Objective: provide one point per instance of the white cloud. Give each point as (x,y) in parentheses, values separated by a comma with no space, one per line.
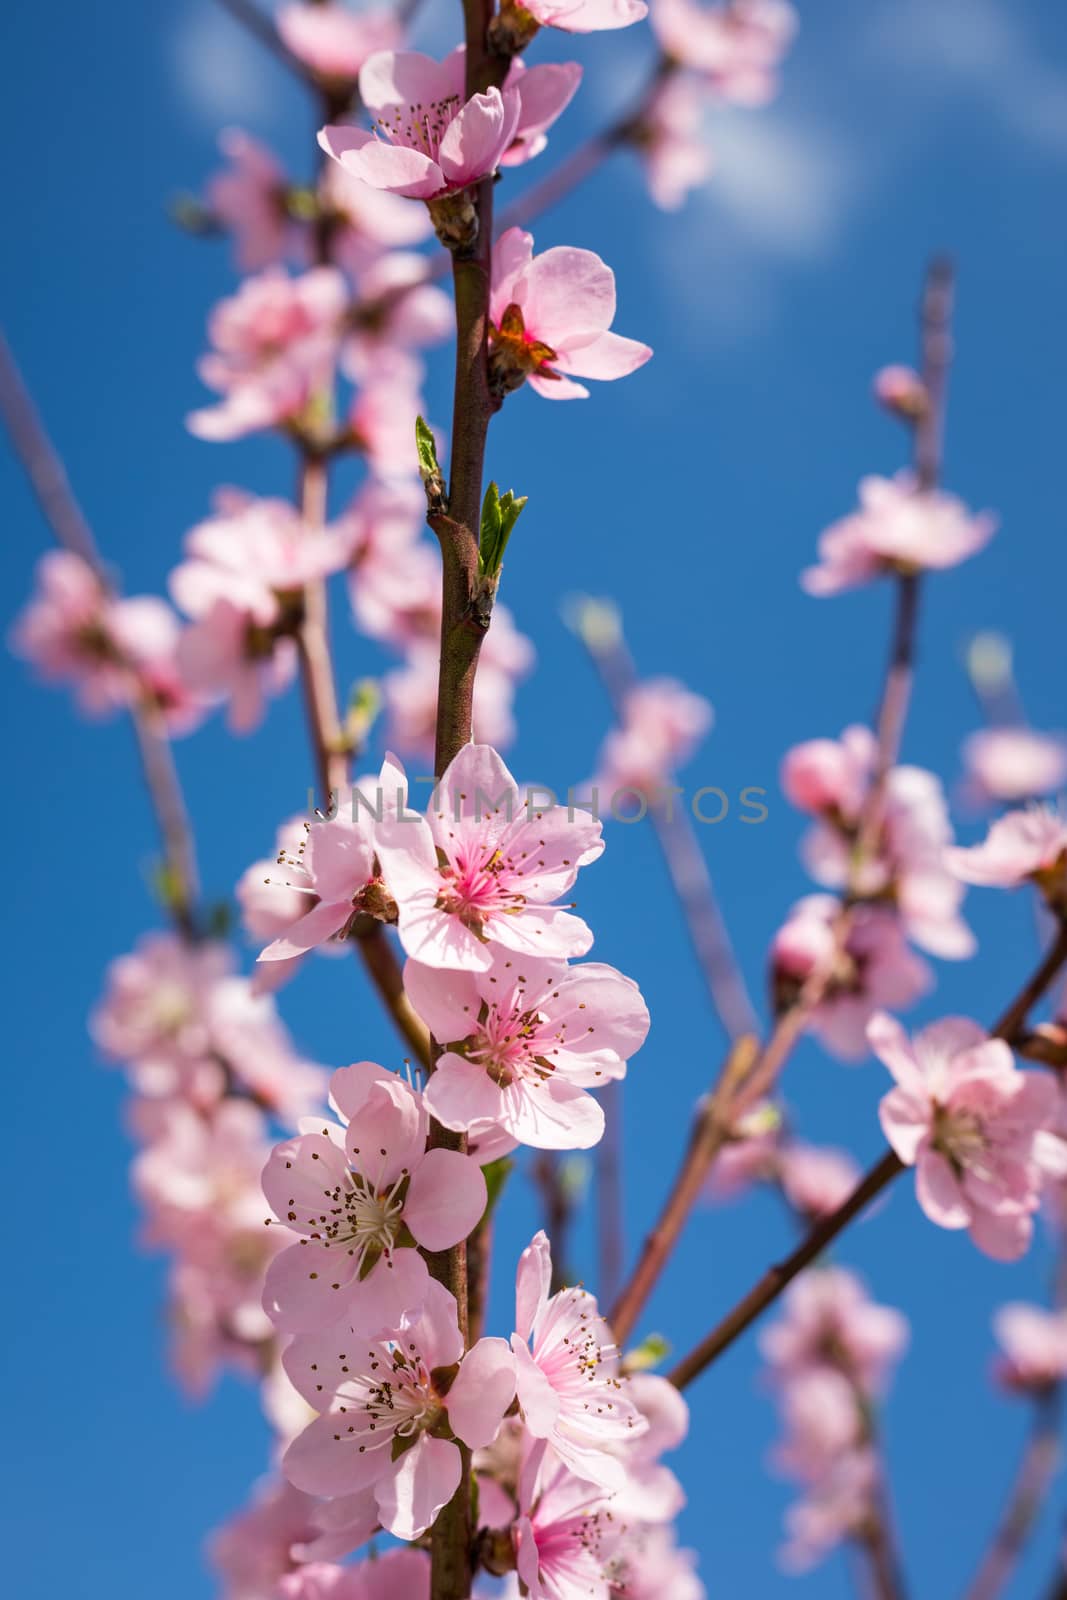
(983,48)
(780,182)
(221,74)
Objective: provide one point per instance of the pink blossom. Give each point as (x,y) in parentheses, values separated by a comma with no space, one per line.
(350,1190)
(485,868)
(249,200)
(650,1492)
(275,346)
(874,965)
(1034,1342)
(525,1042)
(1025,846)
(828,1319)
(267,905)
(334,41)
(198,1182)
(257,553)
(830,777)
(380,1407)
(660,726)
(428,142)
(902,391)
(738,46)
(580,16)
(907,864)
(1012,764)
(398,307)
(567,1373)
(564,1534)
(242,583)
(671,143)
(335,867)
(972,1125)
(153,1007)
(251,1551)
(649,1566)
(816,1179)
(822,1420)
(340,1525)
(898,528)
(74,630)
(551,315)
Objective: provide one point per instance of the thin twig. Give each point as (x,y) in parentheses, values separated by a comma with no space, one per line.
(735,1092)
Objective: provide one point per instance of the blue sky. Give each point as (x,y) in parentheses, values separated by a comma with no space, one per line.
(904,126)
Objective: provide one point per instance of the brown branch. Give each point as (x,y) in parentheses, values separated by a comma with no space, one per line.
(48,478)
(462,630)
(706,1138)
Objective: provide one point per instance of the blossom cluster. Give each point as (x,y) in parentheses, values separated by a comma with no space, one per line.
(212,1070)
(830,1356)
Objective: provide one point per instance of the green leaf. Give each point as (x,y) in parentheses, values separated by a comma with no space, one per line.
(649,1353)
(499,516)
(426,445)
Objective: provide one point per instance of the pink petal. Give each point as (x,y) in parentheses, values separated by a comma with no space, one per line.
(482,1392)
(318,925)
(538,1400)
(938,1191)
(552,1116)
(320,1462)
(609,355)
(461,1095)
(566,292)
(893,1048)
(395,1287)
(306,1287)
(422,1481)
(441,1001)
(407,78)
(445,1200)
(512,253)
(395,169)
(1005,1238)
(387,1137)
(475,140)
(299,1174)
(532,1282)
(350,1086)
(905,1122)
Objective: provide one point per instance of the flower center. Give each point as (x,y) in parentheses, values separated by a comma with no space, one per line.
(420,127)
(473,888)
(514,355)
